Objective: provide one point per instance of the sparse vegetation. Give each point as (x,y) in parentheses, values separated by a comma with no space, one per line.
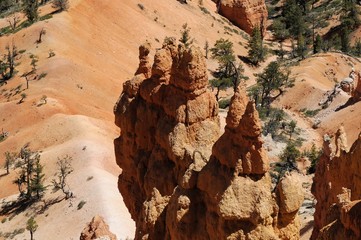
(30,174)
(310,113)
(41,34)
(313,155)
(185,36)
(64,170)
(61,5)
(23,96)
(224,103)
(204,10)
(42,75)
(7,65)
(271,84)
(34,61)
(51,53)
(9,160)
(89,178)
(228,73)
(13,21)
(31,10)
(256,50)
(31,226)
(81,204)
(141,6)
(44,99)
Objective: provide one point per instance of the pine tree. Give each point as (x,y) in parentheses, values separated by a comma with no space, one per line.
(301,47)
(61,5)
(185,36)
(37,181)
(228,74)
(31,10)
(357,48)
(9,159)
(257,52)
(28,163)
(272,82)
(317,44)
(31,226)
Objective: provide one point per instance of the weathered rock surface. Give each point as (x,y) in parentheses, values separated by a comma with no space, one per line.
(246,14)
(97,230)
(181,179)
(356,92)
(337,189)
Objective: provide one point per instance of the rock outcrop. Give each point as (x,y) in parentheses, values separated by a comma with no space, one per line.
(246,14)
(356,92)
(181,179)
(337,189)
(97,229)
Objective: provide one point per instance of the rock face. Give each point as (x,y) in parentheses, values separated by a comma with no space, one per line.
(181,179)
(337,189)
(246,14)
(98,230)
(356,93)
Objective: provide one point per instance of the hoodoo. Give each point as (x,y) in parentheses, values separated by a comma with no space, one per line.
(181,179)
(337,189)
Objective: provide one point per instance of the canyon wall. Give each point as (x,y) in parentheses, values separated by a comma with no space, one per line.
(181,179)
(337,189)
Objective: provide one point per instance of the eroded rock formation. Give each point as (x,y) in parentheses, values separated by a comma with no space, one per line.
(181,179)
(337,189)
(246,14)
(97,229)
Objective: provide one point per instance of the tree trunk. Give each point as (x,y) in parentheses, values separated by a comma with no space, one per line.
(217,94)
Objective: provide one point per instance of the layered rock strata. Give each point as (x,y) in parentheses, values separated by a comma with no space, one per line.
(181,179)
(337,189)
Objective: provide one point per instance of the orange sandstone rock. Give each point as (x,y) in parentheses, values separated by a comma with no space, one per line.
(97,229)
(181,179)
(246,14)
(337,189)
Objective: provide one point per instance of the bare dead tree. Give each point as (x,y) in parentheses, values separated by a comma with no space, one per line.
(13,20)
(41,34)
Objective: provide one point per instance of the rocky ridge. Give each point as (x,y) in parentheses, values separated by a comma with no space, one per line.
(181,179)
(337,189)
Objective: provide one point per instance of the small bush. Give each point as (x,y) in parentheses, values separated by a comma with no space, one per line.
(81,204)
(310,113)
(42,75)
(141,6)
(204,10)
(45,17)
(89,178)
(51,53)
(61,5)
(224,103)
(4,220)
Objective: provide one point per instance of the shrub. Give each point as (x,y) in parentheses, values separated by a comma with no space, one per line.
(61,5)
(224,103)
(42,75)
(141,6)
(81,204)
